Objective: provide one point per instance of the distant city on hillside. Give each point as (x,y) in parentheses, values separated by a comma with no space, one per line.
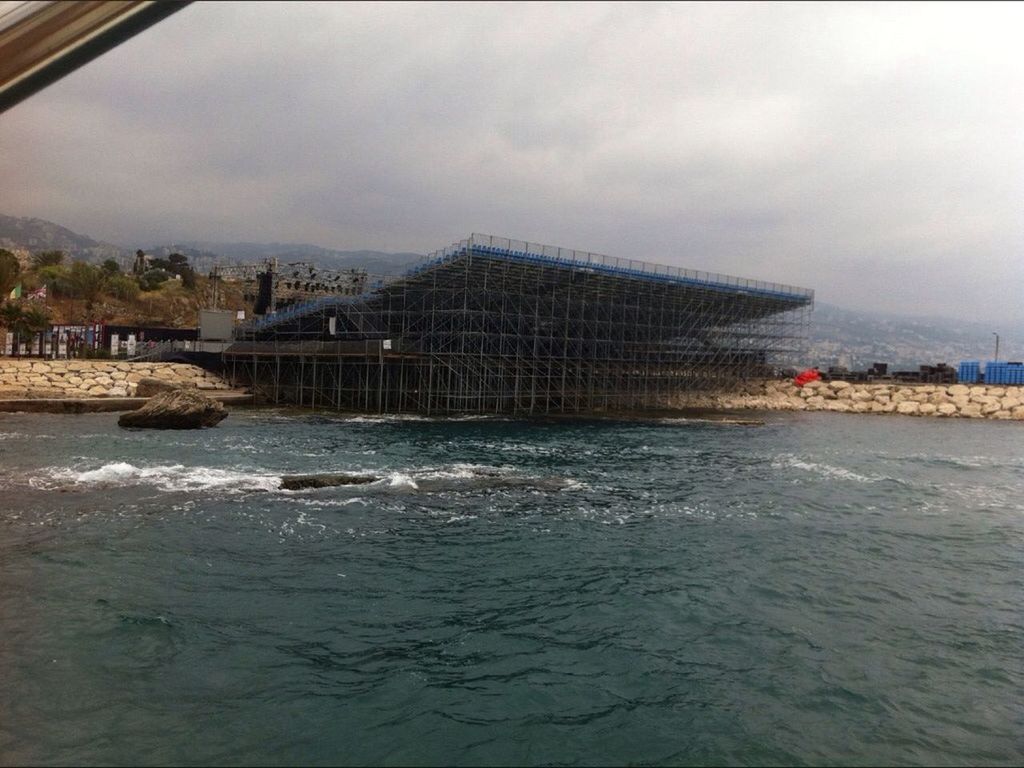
(839,336)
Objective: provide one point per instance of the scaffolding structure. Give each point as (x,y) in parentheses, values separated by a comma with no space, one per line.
(491,325)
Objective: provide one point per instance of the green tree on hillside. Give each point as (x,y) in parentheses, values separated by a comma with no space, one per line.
(9,271)
(56,279)
(152,279)
(23,320)
(36,318)
(122,287)
(47,259)
(86,282)
(110,267)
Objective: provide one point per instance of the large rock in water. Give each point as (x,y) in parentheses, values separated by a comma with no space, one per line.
(150,387)
(298,482)
(179,409)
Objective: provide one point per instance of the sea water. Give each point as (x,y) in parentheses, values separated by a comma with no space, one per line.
(820,589)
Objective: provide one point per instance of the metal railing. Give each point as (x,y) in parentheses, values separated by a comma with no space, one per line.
(632,267)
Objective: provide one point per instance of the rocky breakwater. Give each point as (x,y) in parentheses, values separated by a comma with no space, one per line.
(28,378)
(949,401)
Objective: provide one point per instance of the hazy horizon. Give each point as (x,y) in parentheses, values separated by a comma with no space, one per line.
(870,152)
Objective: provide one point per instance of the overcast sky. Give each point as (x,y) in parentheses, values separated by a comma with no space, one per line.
(872,152)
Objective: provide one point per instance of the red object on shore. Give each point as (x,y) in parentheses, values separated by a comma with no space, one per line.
(811,374)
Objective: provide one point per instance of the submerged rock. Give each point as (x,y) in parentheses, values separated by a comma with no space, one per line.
(178,409)
(298,482)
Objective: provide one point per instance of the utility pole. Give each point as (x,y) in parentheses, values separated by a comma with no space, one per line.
(996,358)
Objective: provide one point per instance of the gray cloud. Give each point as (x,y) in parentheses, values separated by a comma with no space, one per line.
(869,151)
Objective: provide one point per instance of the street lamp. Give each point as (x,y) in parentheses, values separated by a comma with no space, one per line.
(996,358)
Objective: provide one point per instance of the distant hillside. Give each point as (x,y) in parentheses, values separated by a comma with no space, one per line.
(24,234)
(858,339)
(205,254)
(33,235)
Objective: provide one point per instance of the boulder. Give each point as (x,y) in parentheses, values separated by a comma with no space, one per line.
(177,409)
(299,482)
(946,409)
(908,407)
(927,409)
(958,389)
(151,387)
(838,385)
(971,411)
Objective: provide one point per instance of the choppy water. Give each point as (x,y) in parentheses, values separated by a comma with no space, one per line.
(822,589)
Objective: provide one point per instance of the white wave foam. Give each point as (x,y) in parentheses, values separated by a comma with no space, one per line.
(575,485)
(398,480)
(15,435)
(823,470)
(393,418)
(168,477)
(386,419)
(178,477)
(323,503)
(462,472)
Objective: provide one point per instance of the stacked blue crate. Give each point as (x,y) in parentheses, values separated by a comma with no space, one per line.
(1004,373)
(969,372)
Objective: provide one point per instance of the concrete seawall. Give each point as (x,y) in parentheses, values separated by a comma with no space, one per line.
(937,400)
(64,379)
